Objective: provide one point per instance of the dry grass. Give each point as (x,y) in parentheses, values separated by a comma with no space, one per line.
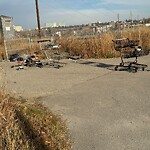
(20,46)
(102,46)
(90,47)
(30,127)
(140,33)
(1,48)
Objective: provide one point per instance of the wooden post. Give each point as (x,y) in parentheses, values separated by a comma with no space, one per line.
(38,18)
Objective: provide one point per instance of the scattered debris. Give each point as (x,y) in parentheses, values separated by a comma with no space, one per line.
(74,58)
(26,60)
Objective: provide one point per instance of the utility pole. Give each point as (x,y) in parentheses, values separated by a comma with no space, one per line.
(118,17)
(38,18)
(119,25)
(131,15)
(131,18)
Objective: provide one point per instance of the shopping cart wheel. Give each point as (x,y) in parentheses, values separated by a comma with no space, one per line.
(116,68)
(135,70)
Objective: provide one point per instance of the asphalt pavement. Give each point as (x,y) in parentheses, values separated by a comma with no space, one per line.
(104,109)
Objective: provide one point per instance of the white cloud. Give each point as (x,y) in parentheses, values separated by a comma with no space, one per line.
(129,2)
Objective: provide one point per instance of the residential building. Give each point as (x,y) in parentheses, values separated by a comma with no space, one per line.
(6,27)
(54,24)
(18,28)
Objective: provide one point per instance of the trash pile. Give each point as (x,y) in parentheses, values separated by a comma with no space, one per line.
(25,60)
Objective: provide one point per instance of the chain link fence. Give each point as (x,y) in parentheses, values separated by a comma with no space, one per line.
(17,46)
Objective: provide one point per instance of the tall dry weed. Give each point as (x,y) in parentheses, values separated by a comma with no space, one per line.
(90,47)
(101,46)
(141,33)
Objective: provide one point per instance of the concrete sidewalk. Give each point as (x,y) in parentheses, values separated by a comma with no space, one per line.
(104,109)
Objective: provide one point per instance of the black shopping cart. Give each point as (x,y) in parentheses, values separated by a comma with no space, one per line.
(128,48)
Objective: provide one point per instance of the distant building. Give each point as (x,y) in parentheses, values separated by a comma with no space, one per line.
(54,24)
(147,24)
(6,27)
(18,28)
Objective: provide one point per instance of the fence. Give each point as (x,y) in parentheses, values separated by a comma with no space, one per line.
(19,46)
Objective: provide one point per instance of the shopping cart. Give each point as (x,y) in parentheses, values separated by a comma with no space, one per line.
(128,48)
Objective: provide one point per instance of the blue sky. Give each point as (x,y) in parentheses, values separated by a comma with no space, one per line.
(73,12)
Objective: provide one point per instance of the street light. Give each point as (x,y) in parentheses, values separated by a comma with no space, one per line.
(38,18)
